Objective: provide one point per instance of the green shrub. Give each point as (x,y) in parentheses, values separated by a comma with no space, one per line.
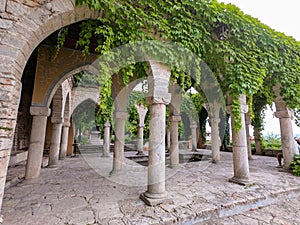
(84,140)
(295,165)
(271,141)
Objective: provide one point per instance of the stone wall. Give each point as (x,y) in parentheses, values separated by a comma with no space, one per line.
(23,26)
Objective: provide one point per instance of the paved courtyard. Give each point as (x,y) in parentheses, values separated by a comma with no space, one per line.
(80,191)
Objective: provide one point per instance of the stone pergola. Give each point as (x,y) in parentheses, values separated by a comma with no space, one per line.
(24,25)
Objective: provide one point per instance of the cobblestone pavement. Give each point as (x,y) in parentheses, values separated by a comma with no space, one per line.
(285,212)
(79,191)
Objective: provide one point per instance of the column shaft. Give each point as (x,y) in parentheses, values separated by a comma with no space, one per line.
(106,140)
(257,138)
(247,122)
(156,161)
(287,141)
(64,142)
(174,144)
(239,148)
(194,136)
(215,140)
(286,130)
(55,144)
(118,159)
(140,140)
(36,147)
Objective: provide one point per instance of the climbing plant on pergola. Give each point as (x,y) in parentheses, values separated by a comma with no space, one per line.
(244,54)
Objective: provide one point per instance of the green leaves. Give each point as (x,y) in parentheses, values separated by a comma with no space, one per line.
(249,56)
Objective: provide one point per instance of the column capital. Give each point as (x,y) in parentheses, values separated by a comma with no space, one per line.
(283,114)
(175,118)
(57,120)
(120,115)
(141,125)
(107,124)
(40,111)
(244,108)
(66,124)
(166,99)
(216,120)
(193,126)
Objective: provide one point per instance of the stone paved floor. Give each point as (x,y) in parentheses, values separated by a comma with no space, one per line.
(79,191)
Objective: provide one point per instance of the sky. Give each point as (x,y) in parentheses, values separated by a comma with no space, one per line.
(282,16)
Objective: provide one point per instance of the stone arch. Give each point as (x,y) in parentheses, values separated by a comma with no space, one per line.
(26,27)
(80,95)
(60,79)
(66,64)
(57,104)
(40,21)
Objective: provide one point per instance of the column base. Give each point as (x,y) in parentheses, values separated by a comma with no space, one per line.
(176,166)
(116,172)
(240,181)
(155,199)
(215,161)
(250,158)
(286,170)
(55,166)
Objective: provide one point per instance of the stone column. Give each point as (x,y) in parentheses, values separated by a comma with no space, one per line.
(168,137)
(70,140)
(64,140)
(247,123)
(214,120)
(193,126)
(239,147)
(174,118)
(118,159)
(215,139)
(140,140)
(142,111)
(174,145)
(286,130)
(106,139)
(156,190)
(55,141)
(37,140)
(257,138)
(158,97)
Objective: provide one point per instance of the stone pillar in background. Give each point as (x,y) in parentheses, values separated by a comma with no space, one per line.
(70,140)
(174,144)
(174,118)
(193,126)
(286,130)
(37,140)
(215,139)
(214,120)
(118,159)
(142,111)
(64,140)
(168,138)
(247,123)
(55,140)
(257,139)
(239,146)
(106,140)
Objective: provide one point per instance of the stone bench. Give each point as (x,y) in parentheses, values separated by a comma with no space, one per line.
(200,154)
(17,157)
(271,152)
